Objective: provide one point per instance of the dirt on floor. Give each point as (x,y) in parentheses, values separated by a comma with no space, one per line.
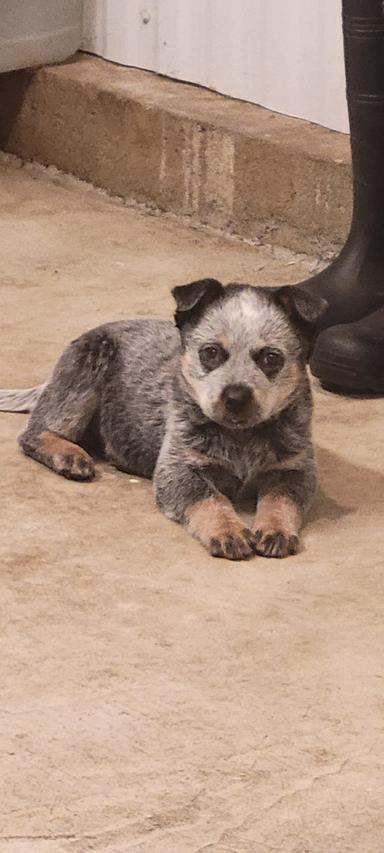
(155,699)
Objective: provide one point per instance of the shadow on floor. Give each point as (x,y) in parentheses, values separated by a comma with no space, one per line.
(344,486)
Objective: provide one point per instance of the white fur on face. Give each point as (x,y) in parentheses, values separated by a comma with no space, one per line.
(244,318)
(243,323)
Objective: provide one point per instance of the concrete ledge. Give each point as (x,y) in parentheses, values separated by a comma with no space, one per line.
(222,162)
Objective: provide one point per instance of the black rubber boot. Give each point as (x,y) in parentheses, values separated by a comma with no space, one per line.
(351,356)
(353,284)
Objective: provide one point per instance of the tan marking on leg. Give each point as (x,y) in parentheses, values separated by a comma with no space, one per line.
(50,443)
(277,525)
(212,517)
(65,457)
(216,525)
(278,513)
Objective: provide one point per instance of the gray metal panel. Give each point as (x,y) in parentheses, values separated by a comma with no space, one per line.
(284,54)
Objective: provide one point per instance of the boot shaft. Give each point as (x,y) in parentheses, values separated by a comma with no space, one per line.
(363,27)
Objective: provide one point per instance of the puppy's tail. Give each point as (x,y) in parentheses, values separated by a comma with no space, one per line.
(20,400)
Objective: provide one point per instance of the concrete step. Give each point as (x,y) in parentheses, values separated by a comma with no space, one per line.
(218,161)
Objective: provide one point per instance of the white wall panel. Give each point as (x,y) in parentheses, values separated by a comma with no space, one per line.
(284,54)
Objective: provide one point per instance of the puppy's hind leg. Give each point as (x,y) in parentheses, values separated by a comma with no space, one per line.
(67,405)
(64,457)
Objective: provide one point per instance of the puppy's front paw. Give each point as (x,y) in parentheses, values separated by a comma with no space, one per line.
(276,543)
(215,524)
(236,545)
(276,526)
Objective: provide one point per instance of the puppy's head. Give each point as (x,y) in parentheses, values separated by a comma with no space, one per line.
(244,349)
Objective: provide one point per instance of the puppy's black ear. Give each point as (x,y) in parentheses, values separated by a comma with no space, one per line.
(305,309)
(299,303)
(192,299)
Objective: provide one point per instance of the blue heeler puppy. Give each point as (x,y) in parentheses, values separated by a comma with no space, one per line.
(214,403)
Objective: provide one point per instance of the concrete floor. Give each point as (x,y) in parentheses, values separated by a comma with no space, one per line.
(155,699)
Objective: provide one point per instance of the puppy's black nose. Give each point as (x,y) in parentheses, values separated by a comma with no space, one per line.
(236,398)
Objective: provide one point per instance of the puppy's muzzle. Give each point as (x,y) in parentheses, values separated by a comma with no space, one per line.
(237,400)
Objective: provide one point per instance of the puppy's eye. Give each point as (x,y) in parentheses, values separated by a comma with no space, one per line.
(269,360)
(212,356)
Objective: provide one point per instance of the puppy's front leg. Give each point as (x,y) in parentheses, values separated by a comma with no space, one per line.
(284,498)
(186,495)
(214,522)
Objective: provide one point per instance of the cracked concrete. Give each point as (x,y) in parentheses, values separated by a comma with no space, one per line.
(154,699)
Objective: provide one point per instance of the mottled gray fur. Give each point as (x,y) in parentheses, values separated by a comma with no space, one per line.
(217,402)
